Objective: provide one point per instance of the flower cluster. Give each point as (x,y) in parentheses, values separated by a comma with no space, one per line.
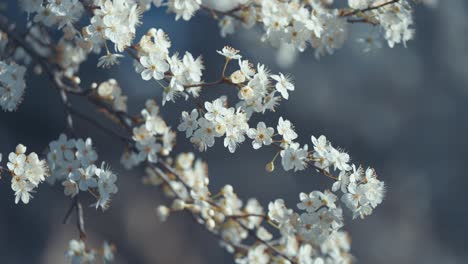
(256,94)
(309,23)
(218,121)
(312,234)
(110,91)
(319,218)
(152,139)
(396,21)
(362,190)
(27,172)
(155,63)
(362,193)
(77,253)
(183,8)
(61,13)
(71,161)
(293,22)
(113,20)
(12,85)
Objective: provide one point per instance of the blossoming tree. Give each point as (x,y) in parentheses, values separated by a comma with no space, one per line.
(61,35)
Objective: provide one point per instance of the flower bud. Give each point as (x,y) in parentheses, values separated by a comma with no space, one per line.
(246,93)
(20,149)
(270,166)
(178,205)
(162,212)
(210,223)
(237,77)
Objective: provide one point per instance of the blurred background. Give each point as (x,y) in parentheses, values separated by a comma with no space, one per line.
(401,110)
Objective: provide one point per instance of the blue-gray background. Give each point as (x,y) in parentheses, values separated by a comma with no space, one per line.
(402,111)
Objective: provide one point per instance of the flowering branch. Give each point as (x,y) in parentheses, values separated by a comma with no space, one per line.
(79,216)
(309,234)
(300,23)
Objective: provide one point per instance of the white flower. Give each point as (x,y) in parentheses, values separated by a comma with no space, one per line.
(359,4)
(305,254)
(363,197)
(256,255)
(246,68)
(264,234)
(278,212)
(310,202)
(396,21)
(153,122)
(320,145)
(340,159)
(27,172)
(148,150)
(214,110)
(233,137)
(283,85)
(286,129)
(70,188)
(107,252)
(172,91)
(155,67)
(261,135)
(63,147)
(162,212)
(141,134)
(35,169)
(204,136)
(12,85)
(230,53)
(253,207)
(77,253)
(189,122)
(308,227)
(342,182)
(227,25)
(85,152)
(184,8)
(155,41)
(237,77)
(85,177)
(246,93)
(294,157)
(109,60)
(22,189)
(375,191)
(16,162)
(46,16)
(193,68)
(106,186)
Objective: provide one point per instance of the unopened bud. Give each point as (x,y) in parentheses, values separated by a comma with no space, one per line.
(162,212)
(270,166)
(210,223)
(178,205)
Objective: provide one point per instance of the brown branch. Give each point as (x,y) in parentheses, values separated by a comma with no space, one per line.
(208,84)
(216,13)
(370,8)
(76,204)
(80,219)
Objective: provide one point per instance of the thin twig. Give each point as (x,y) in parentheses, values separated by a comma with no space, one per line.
(370,8)
(80,219)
